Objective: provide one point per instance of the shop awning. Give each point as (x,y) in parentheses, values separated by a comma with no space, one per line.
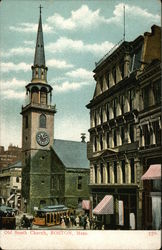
(86,204)
(106,206)
(153,173)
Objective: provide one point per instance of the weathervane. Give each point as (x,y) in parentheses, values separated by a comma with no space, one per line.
(40,9)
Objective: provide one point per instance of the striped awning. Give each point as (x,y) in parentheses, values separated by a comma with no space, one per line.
(153,173)
(106,206)
(86,204)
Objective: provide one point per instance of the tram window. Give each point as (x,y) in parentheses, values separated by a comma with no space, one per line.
(48,218)
(51,217)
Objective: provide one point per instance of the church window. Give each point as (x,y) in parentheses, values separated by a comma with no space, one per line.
(26,121)
(42,121)
(43,96)
(17,179)
(79,182)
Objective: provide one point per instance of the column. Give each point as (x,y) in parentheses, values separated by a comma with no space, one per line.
(105,179)
(92,178)
(39,96)
(104,83)
(111,172)
(111,79)
(128,133)
(118,74)
(98,174)
(119,173)
(128,171)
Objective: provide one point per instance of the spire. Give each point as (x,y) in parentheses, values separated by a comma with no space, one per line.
(39,59)
(39,69)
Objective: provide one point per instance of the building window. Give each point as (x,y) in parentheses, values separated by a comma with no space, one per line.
(95,143)
(108,172)
(58,184)
(101,83)
(79,182)
(107,111)
(115,138)
(107,81)
(114,74)
(26,122)
(101,115)
(145,95)
(95,118)
(17,179)
(114,106)
(157,91)
(123,170)
(95,168)
(121,100)
(132,170)
(121,66)
(130,100)
(101,172)
(157,132)
(115,171)
(107,139)
(122,135)
(146,135)
(101,142)
(42,121)
(131,132)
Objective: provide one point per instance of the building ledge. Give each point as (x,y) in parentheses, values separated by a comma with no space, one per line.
(50,108)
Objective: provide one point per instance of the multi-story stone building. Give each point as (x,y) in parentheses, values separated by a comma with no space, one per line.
(9,156)
(10,184)
(116,121)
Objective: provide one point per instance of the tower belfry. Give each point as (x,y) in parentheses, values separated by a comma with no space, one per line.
(37,130)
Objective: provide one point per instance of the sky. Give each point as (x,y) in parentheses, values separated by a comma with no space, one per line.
(77,33)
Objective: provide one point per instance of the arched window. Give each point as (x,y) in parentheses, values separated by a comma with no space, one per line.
(43,96)
(42,121)
(35,95)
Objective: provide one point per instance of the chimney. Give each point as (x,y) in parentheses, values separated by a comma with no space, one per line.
(83,137)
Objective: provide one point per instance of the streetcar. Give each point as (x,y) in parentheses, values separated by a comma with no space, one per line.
(7,218)
(51,215)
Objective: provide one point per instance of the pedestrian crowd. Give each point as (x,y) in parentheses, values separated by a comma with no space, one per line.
(79,221)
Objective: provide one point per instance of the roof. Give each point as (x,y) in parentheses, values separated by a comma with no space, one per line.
(73,154)
(17,164)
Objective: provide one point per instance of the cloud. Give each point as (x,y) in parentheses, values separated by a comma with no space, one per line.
(66,44)
(58,64)
(10,66)
(18,51)
(12,94)
(32,43)
(68,86)
(81,74)
(31,28)
(13,83)
(84,17)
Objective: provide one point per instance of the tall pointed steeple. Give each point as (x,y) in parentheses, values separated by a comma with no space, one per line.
(39,69)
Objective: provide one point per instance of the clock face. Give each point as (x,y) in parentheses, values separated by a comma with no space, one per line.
(42,138)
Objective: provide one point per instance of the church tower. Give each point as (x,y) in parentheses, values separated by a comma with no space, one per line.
(37,132)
